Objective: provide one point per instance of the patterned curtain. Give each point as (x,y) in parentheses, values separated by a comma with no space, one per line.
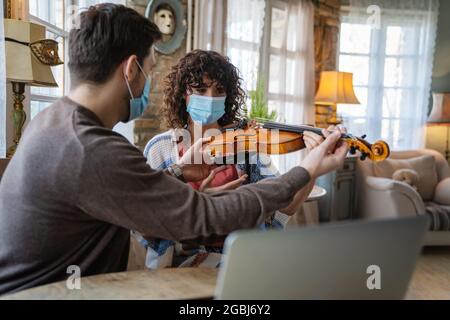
(2,89)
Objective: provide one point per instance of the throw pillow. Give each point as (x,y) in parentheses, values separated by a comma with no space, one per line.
(425,166)
(442,193)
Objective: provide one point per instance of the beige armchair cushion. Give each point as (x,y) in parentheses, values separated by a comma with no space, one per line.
(425,166)
(442,192)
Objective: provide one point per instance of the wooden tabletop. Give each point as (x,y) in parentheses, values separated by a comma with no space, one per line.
(182,283)
(431,280)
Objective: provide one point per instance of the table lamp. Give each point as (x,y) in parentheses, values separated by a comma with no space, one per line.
(335,87)
(29,57)
(440,115)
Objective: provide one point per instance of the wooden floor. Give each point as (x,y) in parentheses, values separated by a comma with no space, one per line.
(431,279)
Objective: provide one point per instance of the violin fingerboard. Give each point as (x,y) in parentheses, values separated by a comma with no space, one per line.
(295,129)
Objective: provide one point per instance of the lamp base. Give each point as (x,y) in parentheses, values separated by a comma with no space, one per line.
(326,115)
(19,116)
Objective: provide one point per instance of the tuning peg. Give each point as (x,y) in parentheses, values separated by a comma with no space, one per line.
(363,156)
(363,136)
(352,150)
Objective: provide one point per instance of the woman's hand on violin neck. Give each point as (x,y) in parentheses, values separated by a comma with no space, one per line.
(313,140)
(326,157)
(332,128)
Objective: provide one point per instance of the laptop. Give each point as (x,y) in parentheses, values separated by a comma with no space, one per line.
(352,260)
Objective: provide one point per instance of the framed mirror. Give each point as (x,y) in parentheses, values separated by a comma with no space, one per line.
(169,16)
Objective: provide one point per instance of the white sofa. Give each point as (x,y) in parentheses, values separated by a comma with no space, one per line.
(382,197)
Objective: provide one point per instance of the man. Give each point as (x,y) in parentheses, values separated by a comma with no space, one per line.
(75,188)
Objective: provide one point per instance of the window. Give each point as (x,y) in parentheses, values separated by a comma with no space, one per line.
(270,41)
(275,35)
(244,34)
(50,13)
(391,68)
(54,15)
(283,55)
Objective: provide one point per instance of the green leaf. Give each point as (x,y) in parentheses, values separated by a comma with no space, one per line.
(259,109)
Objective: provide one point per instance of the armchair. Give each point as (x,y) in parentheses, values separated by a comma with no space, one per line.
(382,197)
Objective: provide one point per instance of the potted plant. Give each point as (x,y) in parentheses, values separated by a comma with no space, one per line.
(259,109)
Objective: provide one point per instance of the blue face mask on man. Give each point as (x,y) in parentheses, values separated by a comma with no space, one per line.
(139,104)
(206,110)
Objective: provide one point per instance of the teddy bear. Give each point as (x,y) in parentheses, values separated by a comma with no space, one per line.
(407,176)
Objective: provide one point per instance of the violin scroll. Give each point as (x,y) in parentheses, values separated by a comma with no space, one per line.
(377,151)
(380,150)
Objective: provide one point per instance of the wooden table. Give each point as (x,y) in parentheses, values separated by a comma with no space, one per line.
(431,280)
(182,283)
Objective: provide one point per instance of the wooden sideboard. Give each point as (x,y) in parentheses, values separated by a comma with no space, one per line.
(339,202)
(3,163)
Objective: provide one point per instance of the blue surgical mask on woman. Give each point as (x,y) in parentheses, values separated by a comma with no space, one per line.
(139,104)
(206,110)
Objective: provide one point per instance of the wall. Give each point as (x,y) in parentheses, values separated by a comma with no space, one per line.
(151,122)
(441,68)
(436,136)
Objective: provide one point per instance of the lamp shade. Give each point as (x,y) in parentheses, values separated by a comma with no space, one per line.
(21,64)
(336,87)
(440,114)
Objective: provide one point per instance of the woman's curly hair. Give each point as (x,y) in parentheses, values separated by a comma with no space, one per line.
(188,74)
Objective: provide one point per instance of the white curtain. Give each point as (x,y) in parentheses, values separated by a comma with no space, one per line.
(389,46)
(293,88)
(244,31)
(291,84)
(2,88)
(210,24)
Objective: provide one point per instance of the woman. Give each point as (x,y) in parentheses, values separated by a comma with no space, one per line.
(203,93)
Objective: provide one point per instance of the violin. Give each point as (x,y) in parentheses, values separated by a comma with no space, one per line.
(276,138)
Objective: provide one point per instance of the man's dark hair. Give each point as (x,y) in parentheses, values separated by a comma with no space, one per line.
(107,35)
